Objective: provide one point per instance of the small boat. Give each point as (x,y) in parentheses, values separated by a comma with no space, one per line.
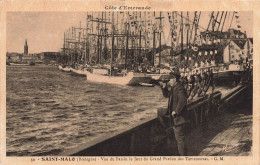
(147,84)
(32,63)
(65,69)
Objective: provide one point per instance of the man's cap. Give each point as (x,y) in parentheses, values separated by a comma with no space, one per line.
(175,72)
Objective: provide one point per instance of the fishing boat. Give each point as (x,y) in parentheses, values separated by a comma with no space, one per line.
(78,72)
(134,40)
(103,76)
(199,61)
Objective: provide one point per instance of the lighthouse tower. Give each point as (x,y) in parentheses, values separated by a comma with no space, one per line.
(26,48)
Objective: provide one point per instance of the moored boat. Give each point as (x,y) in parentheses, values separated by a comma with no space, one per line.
(129,78)
(64,68)
(78,72)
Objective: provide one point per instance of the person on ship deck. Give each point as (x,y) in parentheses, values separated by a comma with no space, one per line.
(177,102)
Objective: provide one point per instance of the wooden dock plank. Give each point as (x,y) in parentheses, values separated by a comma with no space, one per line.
(231,141)
(229,130)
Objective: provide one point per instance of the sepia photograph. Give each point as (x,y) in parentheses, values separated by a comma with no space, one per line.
(123,82)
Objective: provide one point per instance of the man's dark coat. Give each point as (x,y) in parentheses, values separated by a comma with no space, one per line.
(177,102)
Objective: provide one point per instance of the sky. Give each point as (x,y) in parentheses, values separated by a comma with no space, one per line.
(44,31)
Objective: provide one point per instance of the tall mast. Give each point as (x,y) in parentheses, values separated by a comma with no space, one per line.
(194,22)
(75,44)
(79,44)
(112,45)
(220,19)
(64,44)
(154,46)
(98,44)
(181,32)
(105,37)
(196,26)
(127,33)
(224,22)
(101,38)
(145,30)
(117,38)
(214,22)
(140,40)
(187,40)
(160,39)
(86,42)
(172,34)
(69,60)
(73,49)
(212,15)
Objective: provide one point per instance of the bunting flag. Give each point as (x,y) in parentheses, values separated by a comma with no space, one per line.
(198,41)
(237,20)
(203,40)
(196,64)
(169,17)
(201,64)
(251,51)
(174,26)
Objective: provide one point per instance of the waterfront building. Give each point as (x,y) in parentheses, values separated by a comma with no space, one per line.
(237,49)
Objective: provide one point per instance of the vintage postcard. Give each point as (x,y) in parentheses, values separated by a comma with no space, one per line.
(129,82)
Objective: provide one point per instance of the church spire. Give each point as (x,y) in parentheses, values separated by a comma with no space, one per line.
(25,48)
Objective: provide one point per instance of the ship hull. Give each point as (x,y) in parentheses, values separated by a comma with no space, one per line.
(65,69)
(78,72)
(227,77)
(129,79)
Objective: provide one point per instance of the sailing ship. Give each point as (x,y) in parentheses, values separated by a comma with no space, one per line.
(110,49)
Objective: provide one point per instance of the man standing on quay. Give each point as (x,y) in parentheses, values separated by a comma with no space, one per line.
(177,102)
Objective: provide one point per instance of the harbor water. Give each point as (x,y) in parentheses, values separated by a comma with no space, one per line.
(49,111)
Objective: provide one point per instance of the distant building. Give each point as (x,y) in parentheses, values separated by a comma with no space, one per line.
(49,56)
(34,57)
(13,57)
